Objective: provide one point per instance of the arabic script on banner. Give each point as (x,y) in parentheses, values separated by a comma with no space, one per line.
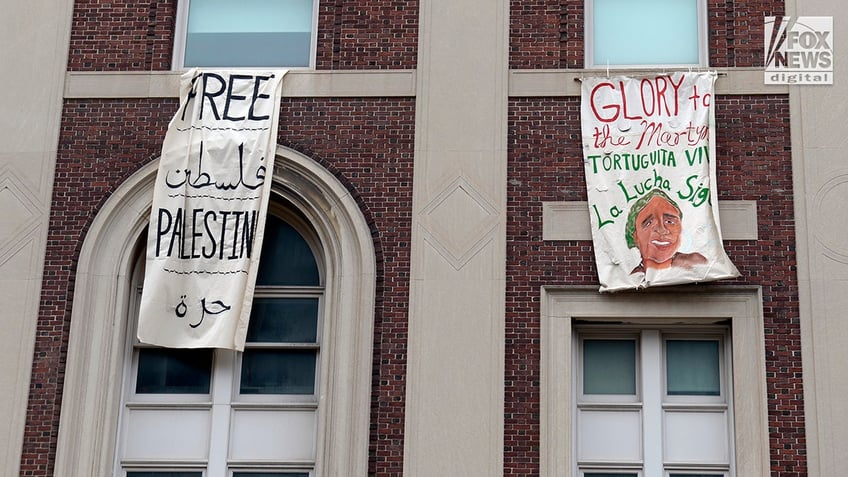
(209,204)
(649,156)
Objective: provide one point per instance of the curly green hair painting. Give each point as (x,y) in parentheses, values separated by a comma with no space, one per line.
(630,228)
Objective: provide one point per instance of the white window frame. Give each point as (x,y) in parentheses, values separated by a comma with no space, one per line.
(606,398)
(563,307)
(94,372)
(589,35)
(651,398)
(181,30)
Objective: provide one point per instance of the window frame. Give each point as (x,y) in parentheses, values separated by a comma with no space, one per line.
(726,361)
(181,32)
(99,322)
(651,396)
(579,375)
(277,291)
(225,369)
(589,47)
(564,306)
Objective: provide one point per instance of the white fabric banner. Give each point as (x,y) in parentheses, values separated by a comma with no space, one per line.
(209,206)
(649,156)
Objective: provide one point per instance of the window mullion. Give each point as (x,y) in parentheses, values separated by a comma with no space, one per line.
(652,392)
(222,390)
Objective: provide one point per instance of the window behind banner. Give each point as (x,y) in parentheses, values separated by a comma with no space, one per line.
(245,34)
(645,33)
(204,412)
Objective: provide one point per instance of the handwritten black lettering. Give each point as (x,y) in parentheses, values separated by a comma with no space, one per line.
(199,233)
(225,98)
(216,308)
(182,178)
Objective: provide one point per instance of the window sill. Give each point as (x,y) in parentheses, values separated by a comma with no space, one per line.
(298,83)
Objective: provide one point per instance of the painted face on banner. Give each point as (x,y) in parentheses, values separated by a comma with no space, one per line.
(657,233)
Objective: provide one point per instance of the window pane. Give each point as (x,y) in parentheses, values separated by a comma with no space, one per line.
(173,371)
(270,474)
(695,475)
(249,33)
(274,371)
(609,474)
(283,320)
(692,368)
(286,260)
(645,32)
(609,367)
(153,473)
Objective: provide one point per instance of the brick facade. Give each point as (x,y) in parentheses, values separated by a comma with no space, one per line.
(550,33)
(139,36)
(368,144)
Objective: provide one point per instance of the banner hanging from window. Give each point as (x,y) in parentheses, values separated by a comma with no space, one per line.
(209,205)
(649,156)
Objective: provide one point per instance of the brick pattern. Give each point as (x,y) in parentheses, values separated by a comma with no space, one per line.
(736,31)
(367,144)
(139,36)
(551,33)
(367,34)
(754,163)
(121,35)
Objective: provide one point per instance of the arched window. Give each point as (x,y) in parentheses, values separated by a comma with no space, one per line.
(219,412)
(295,403)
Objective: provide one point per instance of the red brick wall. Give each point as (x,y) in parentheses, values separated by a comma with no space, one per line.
(550,33)
(122,35)
(754,163)
(366,143)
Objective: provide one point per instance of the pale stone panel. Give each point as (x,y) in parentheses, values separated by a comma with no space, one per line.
(16,294)
(731,81)
(820,180)
(454,407)
(34,35)
(297,83)
(570,220)
(454,415)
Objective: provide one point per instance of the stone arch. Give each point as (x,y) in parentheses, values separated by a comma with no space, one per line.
(94,369)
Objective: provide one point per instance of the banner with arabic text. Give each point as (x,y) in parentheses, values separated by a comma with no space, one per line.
(649,157)
(209,204)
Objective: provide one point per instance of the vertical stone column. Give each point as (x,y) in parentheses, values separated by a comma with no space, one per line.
(820,180)
(454,413)
(35,37)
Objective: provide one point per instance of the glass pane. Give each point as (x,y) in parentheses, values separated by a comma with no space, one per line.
(173,371)
(695,475)
(270,474)
(609,474)
(645,32)
(283,320)
(276,371)
(609,367)
(286,258)
(154,473)
(249,33)
(692,368)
